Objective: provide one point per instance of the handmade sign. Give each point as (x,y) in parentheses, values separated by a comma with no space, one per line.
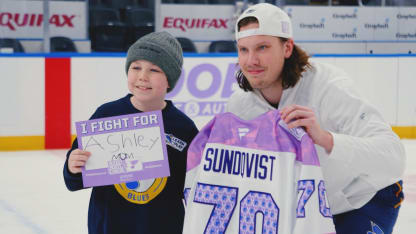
(123,148)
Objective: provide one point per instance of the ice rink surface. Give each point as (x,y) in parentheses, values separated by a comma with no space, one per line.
(34,199)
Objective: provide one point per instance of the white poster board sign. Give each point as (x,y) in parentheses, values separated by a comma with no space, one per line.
(123,148)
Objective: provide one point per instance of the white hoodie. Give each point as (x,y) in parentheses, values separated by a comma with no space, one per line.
(367,155)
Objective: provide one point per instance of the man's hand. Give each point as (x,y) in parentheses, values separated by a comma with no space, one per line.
(301,116)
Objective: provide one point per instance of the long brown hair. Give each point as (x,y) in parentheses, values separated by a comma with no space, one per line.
(293,66)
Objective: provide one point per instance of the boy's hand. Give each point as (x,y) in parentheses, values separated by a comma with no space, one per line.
(77,159)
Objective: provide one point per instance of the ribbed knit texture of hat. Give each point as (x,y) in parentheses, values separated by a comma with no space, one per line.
(163,50)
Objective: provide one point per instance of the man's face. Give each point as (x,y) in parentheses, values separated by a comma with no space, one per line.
(261,58)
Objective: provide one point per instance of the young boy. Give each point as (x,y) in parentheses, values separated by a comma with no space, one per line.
(153,67)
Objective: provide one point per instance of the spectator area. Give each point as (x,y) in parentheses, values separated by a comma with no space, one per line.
(114,25)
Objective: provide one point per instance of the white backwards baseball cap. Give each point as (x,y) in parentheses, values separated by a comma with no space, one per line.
(273,21)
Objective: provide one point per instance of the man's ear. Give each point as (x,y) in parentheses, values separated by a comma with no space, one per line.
(288,47)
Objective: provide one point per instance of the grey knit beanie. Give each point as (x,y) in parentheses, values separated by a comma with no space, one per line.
(163,50)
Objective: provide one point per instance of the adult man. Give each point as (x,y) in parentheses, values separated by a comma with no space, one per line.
(362,158)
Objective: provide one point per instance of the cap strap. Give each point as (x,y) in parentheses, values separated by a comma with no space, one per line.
(249,32)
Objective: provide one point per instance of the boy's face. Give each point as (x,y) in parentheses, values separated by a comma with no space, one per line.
(147,82)
(261,58)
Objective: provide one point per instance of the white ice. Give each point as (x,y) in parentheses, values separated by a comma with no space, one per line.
(34,199)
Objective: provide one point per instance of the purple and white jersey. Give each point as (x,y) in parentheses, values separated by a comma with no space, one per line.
(254,176)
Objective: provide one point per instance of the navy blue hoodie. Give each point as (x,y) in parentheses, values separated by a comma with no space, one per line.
(125,209)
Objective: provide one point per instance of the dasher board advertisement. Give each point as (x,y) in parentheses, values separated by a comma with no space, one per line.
(197,22)
(24,19)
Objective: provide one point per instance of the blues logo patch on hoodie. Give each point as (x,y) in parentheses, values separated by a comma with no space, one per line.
(175,142)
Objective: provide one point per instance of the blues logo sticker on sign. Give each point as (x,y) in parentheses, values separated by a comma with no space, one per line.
(123,148)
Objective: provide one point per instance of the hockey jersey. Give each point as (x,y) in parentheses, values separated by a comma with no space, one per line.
(254,176)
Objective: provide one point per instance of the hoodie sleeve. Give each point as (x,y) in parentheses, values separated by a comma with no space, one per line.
(369,152)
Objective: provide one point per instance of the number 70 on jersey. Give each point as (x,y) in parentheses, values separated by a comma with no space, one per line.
(224,200)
